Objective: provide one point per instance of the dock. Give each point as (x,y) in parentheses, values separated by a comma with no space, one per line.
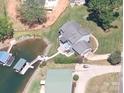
(29,65)
(39,58)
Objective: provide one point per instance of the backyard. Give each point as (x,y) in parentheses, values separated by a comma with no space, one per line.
(108,41)
(108,83)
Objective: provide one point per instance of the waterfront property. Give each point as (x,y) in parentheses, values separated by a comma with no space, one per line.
(58,81)
(6,59)
(19,65)
(74,39)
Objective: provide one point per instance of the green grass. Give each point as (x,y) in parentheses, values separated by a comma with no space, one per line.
(107,83)
(108,42)
(61,59)
(2,6)
(35,87)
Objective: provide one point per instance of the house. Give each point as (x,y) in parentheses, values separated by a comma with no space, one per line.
(74,39)
(50,4)
(77,2)
(19,65)
(6,58)
(58,81)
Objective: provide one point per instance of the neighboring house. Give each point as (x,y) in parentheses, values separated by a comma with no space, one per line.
(74,39)
(59,81)
(77,2)
(50,4)
(6,58)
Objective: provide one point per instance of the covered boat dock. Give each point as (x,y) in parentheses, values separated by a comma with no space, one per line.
(20,65)
(6,58)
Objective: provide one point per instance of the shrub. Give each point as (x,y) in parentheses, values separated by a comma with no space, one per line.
(43,64)
(6,30)
(75,77)
(114,58)
(61,59)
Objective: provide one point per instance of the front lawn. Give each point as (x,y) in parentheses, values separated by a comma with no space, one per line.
(108,42)
(108,83)
(62,59)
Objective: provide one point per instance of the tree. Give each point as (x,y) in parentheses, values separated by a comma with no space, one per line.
(75,77)
(114,58)
(103,12)
(32,12)
(6,30)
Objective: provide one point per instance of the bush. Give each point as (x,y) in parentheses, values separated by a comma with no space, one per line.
(114,58)
(6,30)
(75,77)
(61,59)
(43,64)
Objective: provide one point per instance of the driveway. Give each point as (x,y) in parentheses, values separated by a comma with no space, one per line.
(85,74)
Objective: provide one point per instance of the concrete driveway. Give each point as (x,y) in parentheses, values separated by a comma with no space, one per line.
(85,74)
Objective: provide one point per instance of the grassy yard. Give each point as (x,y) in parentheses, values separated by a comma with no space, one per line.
(2,7)
(107,83)
(35,87)
(108,42)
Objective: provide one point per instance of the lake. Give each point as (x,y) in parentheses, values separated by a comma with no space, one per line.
(11,82)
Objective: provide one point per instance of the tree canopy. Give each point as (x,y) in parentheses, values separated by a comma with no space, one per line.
(6,30)
(114,58)
(75,77)
(103,12)
(32,12)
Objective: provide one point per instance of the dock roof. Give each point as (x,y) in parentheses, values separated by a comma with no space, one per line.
(4,56)
(19,64)
(58,81)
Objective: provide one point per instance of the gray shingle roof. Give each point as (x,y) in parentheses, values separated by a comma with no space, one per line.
(73,32)
(81,46)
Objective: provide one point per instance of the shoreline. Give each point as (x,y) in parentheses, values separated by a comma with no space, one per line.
(37,70)
(29,82)
(6,43)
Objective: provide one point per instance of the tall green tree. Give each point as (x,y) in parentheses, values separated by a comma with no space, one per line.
(32,12)
(6,30)
(103,12)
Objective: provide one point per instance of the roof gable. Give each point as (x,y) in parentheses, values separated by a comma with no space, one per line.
(81,46)
(72,31)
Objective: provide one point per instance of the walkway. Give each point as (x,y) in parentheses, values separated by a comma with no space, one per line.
(38,58)
(12,43)
(95,57)
(85,74)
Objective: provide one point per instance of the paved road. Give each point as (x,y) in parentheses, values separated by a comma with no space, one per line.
(85,74)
